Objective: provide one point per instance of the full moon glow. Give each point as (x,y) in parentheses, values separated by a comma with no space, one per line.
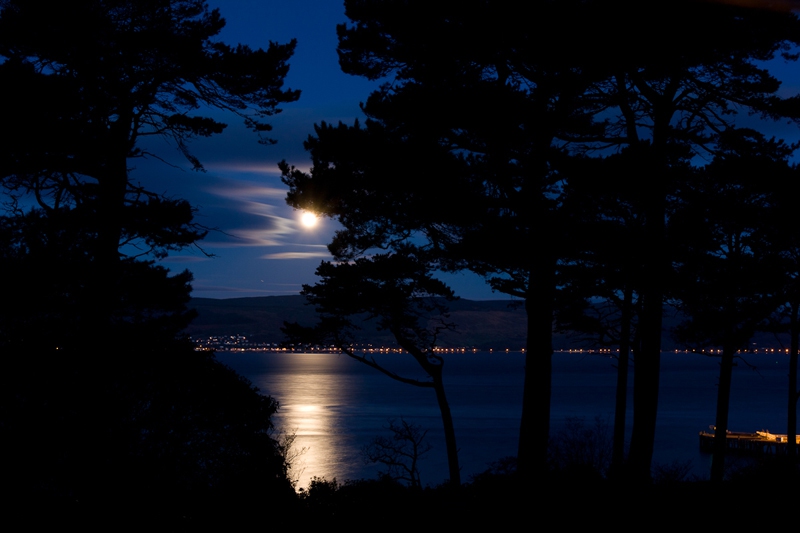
(309,220)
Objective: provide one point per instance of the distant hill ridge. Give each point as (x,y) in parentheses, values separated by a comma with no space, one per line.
(481,324)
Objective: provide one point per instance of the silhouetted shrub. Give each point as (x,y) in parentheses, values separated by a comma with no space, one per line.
(400,453)
(671,473)
(581,449)
(166,433)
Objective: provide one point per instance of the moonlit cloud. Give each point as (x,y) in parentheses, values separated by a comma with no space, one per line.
(316,251)
(271,233)
(248,214)
(296,255)
(285,289)
(185,259)
(243,190)
(270,169)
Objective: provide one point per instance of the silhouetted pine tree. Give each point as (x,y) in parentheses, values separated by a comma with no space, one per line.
(463,150)
(104,401)
(397,291)
(727,285)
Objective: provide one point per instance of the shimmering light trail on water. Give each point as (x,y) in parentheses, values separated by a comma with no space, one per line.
(337,405)
(311,407)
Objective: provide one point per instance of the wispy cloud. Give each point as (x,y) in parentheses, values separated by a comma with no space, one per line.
(245,191)
(249,214)
(296,255)
(308,251)
(264,169)
(284,288)
(184,259)
(269,231)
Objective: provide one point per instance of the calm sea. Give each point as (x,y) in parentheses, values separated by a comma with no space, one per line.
(337,405)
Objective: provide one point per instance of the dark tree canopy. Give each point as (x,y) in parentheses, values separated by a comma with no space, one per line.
(485,110)
(399,293)
(97,75)
(89,80)
(670,95)
(105,407)
(481,116)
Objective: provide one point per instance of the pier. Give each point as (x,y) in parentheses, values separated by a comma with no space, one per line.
(758,443)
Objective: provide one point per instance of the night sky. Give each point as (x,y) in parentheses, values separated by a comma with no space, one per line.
(262,248)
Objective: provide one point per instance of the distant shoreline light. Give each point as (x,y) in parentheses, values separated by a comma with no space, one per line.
(240,343)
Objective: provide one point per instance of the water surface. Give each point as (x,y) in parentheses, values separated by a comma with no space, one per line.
(336,405)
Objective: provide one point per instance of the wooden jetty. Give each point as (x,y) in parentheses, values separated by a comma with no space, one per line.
(758,443)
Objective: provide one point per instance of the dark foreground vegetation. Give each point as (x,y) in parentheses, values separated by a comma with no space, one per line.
(597,168)
(165,435)
(578,488)
(107,414)
(595,176)
(571,496)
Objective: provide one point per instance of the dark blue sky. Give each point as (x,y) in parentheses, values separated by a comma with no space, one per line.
(262,249)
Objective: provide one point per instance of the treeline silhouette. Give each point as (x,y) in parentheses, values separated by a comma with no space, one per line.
(598,160)
(481,325)
(553,152)
(107,413)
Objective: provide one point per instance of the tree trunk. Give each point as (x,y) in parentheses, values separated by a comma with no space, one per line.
(621,401)
(723,405)
(648,361)
(103,290)
(534,430)
(449,432)
(791,426)
(112,187)
(111,202)
(435,371)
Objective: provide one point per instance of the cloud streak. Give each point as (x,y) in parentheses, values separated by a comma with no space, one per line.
(246,191)
(271,231)
(227,289)
(297,255)
(184,259)
(263,169)
(248,214)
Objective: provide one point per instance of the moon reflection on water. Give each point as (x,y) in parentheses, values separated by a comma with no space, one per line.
(337,405)
(312,406)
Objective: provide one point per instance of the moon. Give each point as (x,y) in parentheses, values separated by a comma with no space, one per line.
(309,219)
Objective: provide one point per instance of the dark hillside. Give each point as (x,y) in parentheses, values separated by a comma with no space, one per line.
(482,324)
